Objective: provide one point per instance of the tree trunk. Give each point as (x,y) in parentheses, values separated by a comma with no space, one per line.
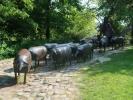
(48,19)
(132,31)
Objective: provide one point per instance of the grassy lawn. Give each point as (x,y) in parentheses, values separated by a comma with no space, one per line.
(111,80)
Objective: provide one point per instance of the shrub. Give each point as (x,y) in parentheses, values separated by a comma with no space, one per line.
(5,51)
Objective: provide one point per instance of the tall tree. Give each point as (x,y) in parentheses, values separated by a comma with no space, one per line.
(119,12)
(48,4)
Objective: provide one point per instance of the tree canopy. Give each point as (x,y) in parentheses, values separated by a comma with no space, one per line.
(42,18)
(60,20)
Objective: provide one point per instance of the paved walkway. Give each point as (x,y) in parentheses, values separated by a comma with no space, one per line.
(45,83)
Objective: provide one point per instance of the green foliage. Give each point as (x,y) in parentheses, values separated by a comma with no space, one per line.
(82,23)
(28,4)
(24,21)
(62,20)
(119,12)
(6,51)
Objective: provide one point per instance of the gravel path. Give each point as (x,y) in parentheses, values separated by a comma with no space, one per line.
(45,83)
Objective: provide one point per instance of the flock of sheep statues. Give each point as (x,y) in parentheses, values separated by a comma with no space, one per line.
(62,54)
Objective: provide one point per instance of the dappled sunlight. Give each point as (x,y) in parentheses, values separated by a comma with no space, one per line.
(120,64)
(110,80)
(53,43)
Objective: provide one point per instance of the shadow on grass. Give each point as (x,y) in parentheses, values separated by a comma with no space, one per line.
(121,63)
(6,81)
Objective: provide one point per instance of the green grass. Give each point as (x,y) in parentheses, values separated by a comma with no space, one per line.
(111,80)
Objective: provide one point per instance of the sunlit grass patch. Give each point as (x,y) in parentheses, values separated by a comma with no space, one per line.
(112,80)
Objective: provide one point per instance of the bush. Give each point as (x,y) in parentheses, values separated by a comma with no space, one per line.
(6,52)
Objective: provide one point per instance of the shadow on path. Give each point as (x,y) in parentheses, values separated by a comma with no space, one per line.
(6,81)
(9,70)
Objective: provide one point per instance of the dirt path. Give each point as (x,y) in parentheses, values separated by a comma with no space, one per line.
(44,84)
